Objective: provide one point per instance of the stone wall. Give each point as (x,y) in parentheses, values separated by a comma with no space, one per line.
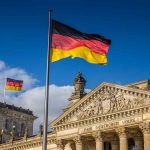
(13,124)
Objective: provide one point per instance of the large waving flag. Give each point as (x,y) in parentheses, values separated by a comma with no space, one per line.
(69,42)
(15,85)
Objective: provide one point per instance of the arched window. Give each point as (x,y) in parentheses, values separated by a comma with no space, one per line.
(6,124)
(22,129)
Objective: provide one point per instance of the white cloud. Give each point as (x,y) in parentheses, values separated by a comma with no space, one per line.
(33,97)
(2,65)
(34,100)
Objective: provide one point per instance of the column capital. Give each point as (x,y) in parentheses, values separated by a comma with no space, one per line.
(59,143)
(122,132)
(145,127)
(97,135)
(77,139)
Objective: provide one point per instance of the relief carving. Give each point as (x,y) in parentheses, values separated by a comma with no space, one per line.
(109,102)
(59,143)
(145,127)
(98,136)
(122,132)
(77,139)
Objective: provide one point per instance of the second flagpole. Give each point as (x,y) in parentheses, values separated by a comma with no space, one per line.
(4,91)
(44,147)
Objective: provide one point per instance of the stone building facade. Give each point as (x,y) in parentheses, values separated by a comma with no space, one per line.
(109,117)
(14,122)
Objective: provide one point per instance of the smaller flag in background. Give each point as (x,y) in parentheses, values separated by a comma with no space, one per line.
(15,85)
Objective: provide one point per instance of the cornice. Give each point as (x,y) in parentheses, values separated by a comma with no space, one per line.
(18,109)
(16,113)
(139,82)
(90,95)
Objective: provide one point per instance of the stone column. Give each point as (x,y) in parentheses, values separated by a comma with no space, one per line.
(123,138)
(145,127)
(59,144)
(78,142)
(98,140)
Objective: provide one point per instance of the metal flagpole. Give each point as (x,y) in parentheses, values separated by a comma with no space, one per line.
(4,91)
(47,83)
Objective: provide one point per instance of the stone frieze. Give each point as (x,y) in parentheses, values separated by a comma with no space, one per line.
(110,102)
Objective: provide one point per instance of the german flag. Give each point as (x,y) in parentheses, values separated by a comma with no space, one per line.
(69,42)
(15,85)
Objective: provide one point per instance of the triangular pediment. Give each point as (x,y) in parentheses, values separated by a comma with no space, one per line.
(105,99)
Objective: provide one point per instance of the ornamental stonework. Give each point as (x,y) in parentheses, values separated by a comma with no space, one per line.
(122,132)
(98,136)
(59,143)
(109,102)
(77,139)
(109,113)
(145,127)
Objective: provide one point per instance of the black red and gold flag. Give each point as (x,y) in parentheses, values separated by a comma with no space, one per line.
(69,42)
(15,85)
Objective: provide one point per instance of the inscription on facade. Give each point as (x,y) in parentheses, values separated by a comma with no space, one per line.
(109,125)
(88,129)
(128,121)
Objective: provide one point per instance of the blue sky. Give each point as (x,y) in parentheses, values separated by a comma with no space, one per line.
(23,36)
(23,47)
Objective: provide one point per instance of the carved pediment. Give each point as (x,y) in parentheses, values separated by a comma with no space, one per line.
(110,102)
(105,99)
